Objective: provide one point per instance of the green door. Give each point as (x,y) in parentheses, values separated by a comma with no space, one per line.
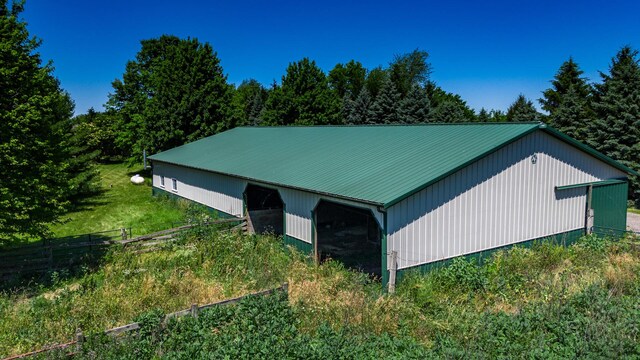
(609,204)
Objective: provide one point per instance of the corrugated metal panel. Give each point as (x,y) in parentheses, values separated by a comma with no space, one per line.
(349,162)
(299,207)
(220,192)
(501,199)
(609,204)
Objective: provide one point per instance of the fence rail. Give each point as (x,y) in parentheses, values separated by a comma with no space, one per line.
(193,311)
(67,252)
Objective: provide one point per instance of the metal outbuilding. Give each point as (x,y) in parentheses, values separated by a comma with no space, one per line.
(410,195)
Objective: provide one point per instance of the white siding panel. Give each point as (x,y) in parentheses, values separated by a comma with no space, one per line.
(224,193)
(217,191)
(502,199)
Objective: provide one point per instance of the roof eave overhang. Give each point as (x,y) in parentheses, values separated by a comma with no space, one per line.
(276,184)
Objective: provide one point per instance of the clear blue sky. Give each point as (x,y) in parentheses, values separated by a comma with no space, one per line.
(488,52)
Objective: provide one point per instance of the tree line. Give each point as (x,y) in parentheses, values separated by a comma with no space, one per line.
(175,91)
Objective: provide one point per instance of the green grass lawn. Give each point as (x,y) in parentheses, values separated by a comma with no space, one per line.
(632,210)
(121,204)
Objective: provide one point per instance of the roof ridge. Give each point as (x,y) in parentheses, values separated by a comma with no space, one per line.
(395,125)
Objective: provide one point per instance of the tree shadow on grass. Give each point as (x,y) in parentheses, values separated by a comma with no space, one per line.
(88,203)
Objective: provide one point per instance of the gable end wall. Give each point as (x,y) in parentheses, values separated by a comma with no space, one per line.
(499,200)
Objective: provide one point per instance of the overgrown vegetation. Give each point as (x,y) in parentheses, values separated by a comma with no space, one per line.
(548,300)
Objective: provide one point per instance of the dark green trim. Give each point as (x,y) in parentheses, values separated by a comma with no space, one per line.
(594,184)
(587,149)
(473,160)
(171,195)
(314,247)
(385,251)
(302,246)
(565,239)
(284,217)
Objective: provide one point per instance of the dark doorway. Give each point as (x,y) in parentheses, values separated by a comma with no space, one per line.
(265,210)
(350,235)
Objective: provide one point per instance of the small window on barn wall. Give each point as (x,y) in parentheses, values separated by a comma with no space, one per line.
(174,184)
(162,181)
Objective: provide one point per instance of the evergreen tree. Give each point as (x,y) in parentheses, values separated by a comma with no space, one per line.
(360,111)
(254,115)
(522,110)
(415,107)
(172,93)
(247,102)
(483,116)
(408,70)
(303,99)
(568,101)
(572,116)
(385,109)
(84,178)
(568,77)
(447,111)
(347,79)
(437,97)
(33,185)
(347,108)
(616,130)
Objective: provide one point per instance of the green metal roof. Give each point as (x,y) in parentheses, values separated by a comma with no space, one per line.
(374,164)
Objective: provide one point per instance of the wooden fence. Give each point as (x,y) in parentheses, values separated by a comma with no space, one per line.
(51,255)
(192,311)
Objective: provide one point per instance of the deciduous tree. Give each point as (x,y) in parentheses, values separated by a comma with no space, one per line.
(347,79)
(172,93)
(304,98)
(408,70)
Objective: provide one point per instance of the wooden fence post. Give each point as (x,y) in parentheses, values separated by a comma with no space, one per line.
(123,233)
(392,272)
(50,256)
(194,310)
(79,339)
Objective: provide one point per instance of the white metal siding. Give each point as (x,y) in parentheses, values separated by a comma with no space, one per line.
(300,204)
(217,191)
(502,199)
(224,193)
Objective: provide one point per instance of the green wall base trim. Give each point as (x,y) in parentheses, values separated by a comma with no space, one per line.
(215,213)
(302,246)
(565,239)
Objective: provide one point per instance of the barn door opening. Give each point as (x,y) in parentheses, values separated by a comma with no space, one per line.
(265,210)
(350,235)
